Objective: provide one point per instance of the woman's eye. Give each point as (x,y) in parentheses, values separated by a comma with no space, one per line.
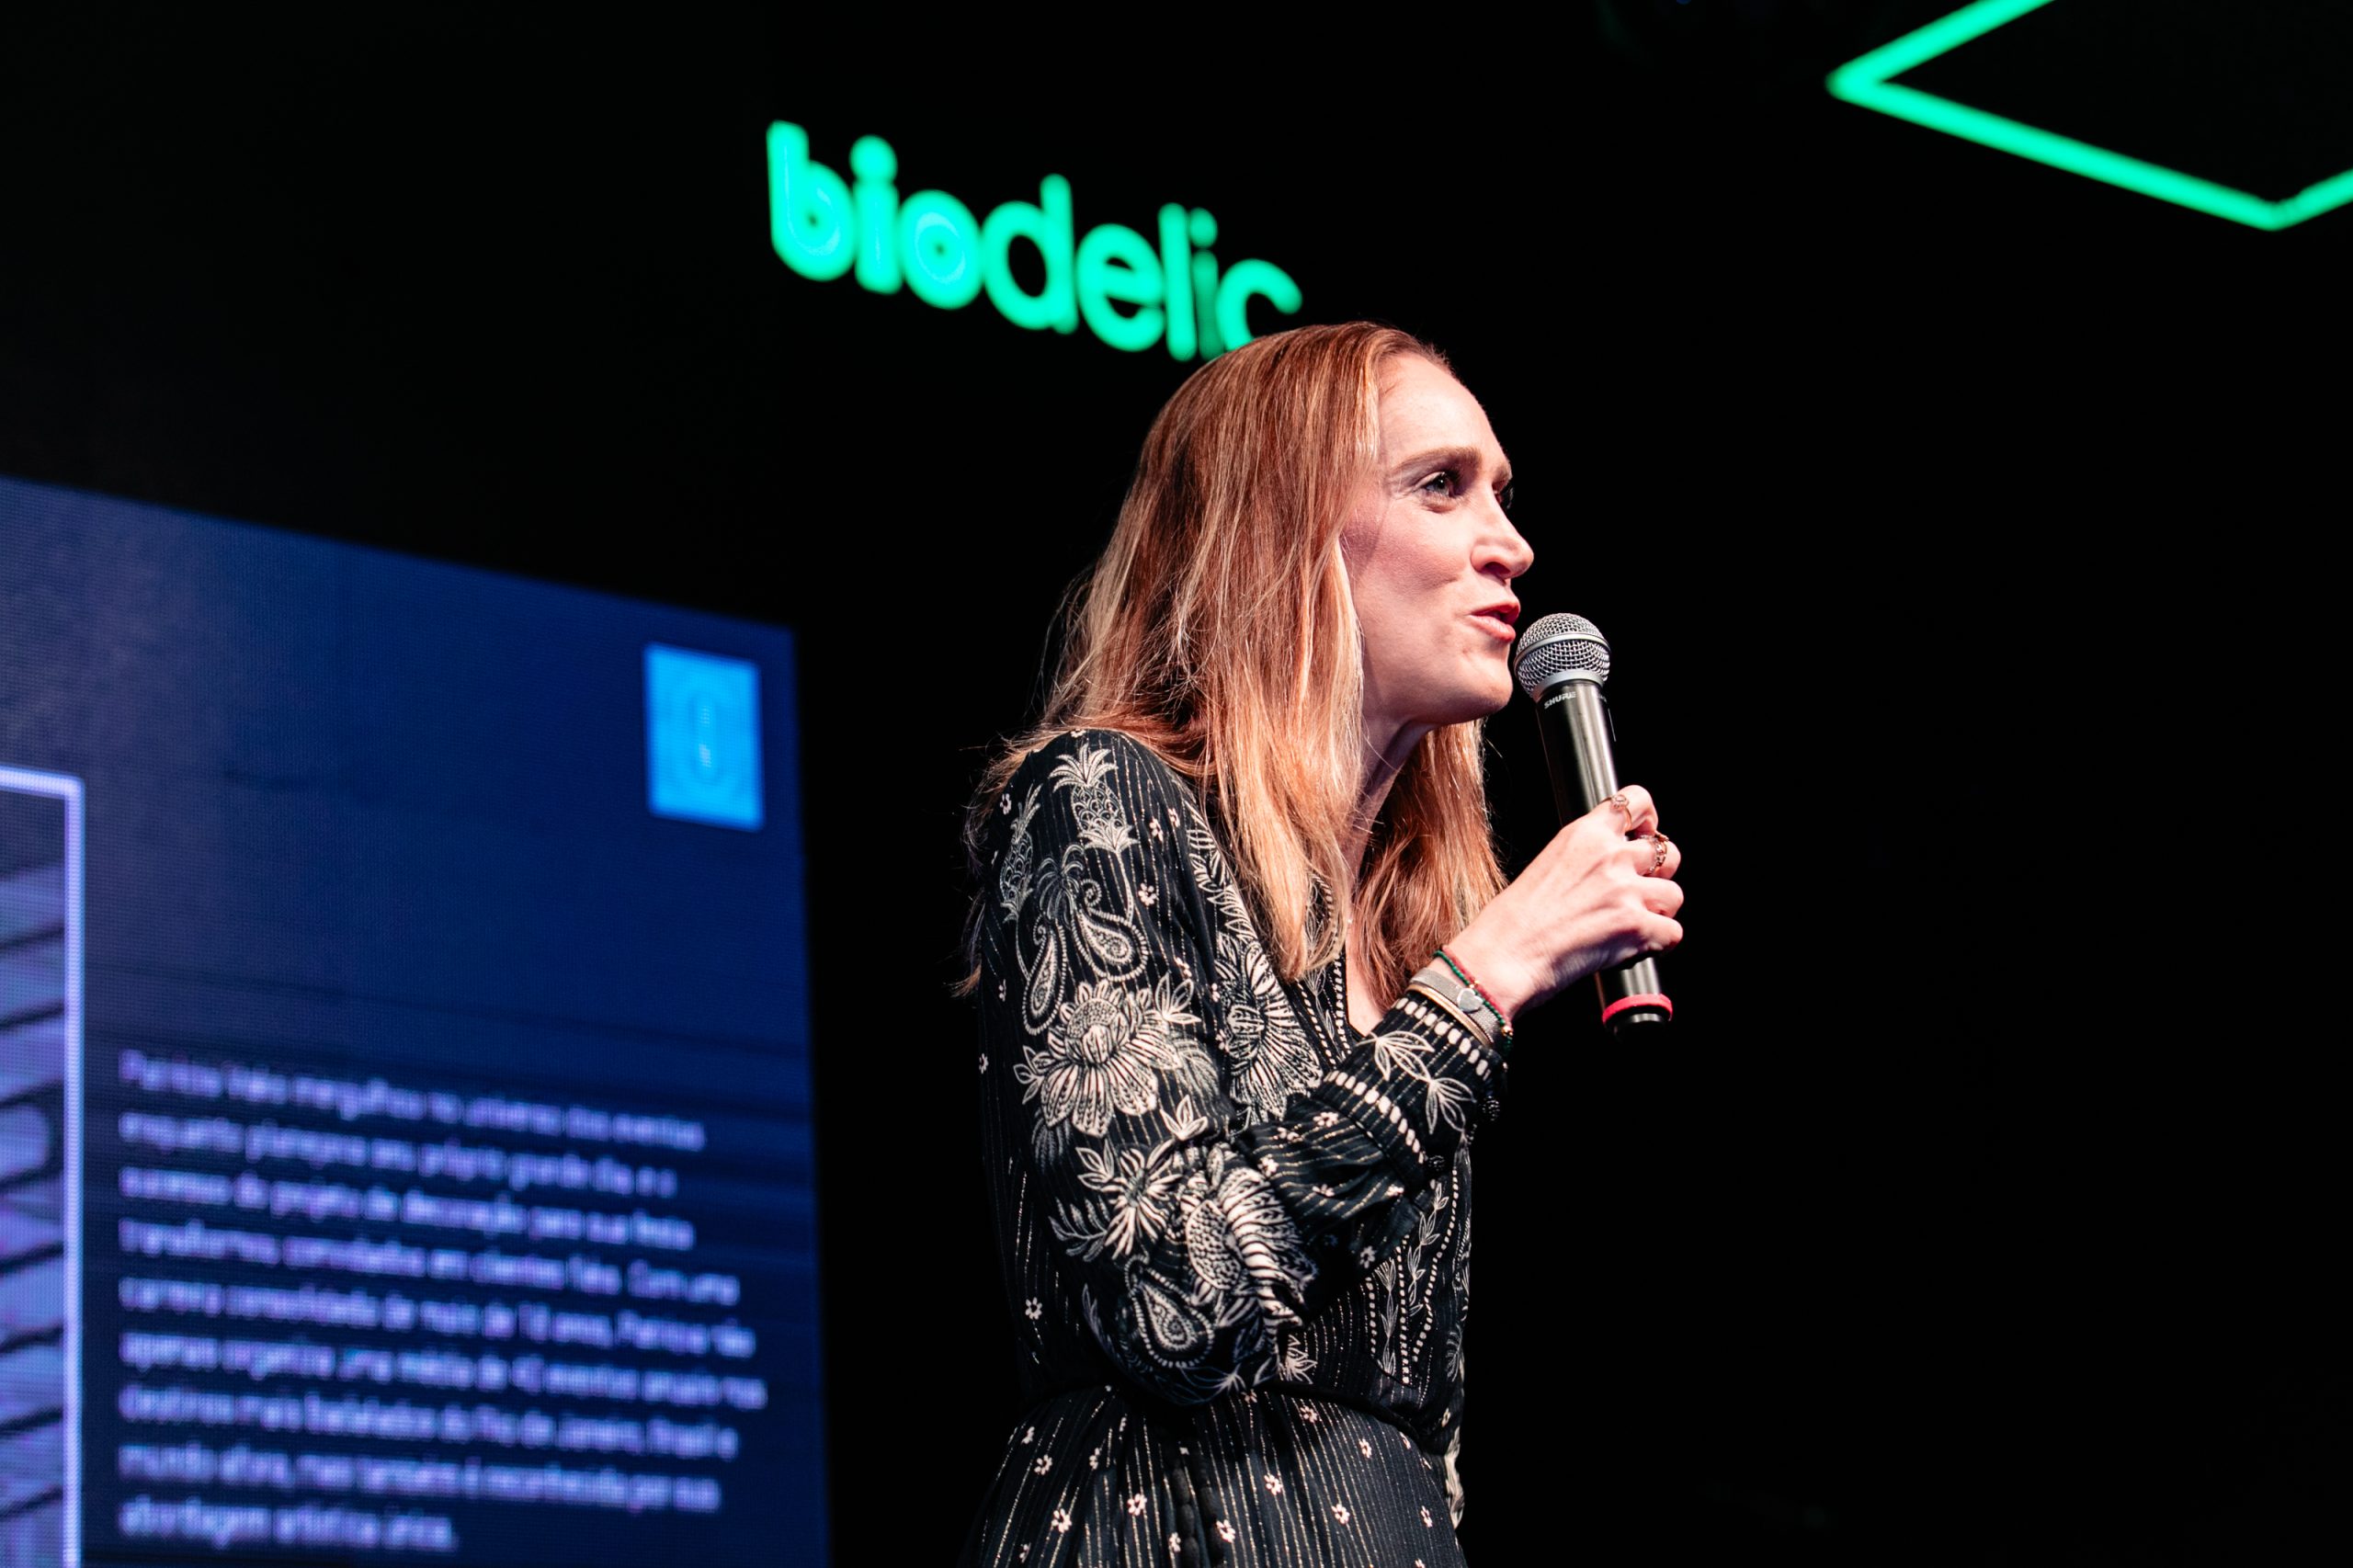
(1441,483)
(1503,496)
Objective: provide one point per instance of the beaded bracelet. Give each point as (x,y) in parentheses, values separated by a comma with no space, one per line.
(1503,1025)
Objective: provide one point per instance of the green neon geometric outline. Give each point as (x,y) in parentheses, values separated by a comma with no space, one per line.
(1864,80)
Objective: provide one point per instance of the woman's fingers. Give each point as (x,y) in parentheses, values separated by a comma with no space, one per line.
(1602,893)
(1661,896)
(1639,811)
(1655,854)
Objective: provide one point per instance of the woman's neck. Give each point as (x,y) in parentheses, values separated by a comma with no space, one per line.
(1379,776)
(1381,770)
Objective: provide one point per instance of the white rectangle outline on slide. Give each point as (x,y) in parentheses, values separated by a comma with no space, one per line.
(66,788)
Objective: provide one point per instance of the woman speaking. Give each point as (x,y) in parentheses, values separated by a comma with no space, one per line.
(1247,967)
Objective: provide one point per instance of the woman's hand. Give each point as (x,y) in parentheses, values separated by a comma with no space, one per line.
(1600,894)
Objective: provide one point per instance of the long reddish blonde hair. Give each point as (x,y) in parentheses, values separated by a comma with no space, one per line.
(1218,630)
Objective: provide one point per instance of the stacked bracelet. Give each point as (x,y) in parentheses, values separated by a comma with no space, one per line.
(1434,985)
(1463,996)
(1503,1025)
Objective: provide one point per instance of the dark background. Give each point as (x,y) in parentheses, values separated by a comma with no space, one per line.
(1957,523)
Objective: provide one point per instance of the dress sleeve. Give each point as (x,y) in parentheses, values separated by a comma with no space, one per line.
(1210,1181)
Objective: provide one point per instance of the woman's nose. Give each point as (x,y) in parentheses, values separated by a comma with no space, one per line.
(1505,547)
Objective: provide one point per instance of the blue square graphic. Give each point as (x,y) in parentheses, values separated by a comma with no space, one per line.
(702,737)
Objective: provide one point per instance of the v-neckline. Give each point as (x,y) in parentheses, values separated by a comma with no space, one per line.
(1347,1018)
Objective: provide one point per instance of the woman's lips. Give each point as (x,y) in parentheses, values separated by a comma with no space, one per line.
(1498,619)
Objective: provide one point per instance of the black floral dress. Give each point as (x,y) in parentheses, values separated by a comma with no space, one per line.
(1235,1234)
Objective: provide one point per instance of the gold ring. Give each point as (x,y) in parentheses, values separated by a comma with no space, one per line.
(1618,801)
(1659,842)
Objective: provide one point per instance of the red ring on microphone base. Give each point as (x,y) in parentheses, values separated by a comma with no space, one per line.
(1643,999)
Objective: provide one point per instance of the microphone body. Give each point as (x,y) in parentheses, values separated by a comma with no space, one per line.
(1561,664)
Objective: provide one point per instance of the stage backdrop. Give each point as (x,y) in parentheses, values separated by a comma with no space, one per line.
(1951,513)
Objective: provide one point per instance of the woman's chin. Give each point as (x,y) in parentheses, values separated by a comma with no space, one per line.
(1497,694)
(1473,709)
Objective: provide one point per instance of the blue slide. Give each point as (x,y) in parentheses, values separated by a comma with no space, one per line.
(404,1120)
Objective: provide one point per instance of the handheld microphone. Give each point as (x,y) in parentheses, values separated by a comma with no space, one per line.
(1561,662)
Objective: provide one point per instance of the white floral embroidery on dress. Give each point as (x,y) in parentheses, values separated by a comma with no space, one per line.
(1014,872)
(1444,1100)
(1106,1051)
(1272,1059)
(1101,822)
(1179,1235)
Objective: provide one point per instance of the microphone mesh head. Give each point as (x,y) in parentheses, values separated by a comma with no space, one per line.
(1561,647)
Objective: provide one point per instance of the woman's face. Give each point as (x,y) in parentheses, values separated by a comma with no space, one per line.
(1431,557)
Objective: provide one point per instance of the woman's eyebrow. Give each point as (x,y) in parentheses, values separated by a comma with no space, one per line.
(1470,457)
